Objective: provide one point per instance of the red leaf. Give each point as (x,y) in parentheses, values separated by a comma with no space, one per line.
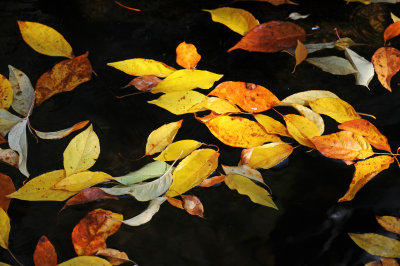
(45,253)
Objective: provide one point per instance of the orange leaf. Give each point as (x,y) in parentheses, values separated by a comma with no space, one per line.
(391,31)
(390,223)
(144,83)
(386,61)
(175,202)
(343,145)
(186,55)
(88,195)
(301,129)
(250,97)
(365,171)
(369,131)
(300,53)
(64,76)
(383,262)
(114,256)
(193,205)
(6,187)
(92,231)
(273,36)
(209,182)
(2,139)
(45,253)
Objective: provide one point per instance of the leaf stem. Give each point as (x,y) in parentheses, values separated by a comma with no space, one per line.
(127,7)
(16,260)
(131,160)
(366,115)
(130,94)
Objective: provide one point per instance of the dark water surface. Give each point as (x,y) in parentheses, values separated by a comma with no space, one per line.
(309,229)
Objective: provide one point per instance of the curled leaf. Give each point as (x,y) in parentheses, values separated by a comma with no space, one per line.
(312,116)
(193,205)
(209,182)
(61,133)
(266,156)
(365,69)
(216,105)
(162,137)
(145,216)
(187,56)
(45,253)
(115,257)
(141,67)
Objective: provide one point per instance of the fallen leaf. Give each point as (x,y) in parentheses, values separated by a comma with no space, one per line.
(141,67)
(273,36)
(296,16)
(237,131)
(45,253)
(9,156)
(64,76)
(6,93)
(88,195)
(176,202)
(115,257)
(391,31)
(300,53)
(144,83)
(301,129)
(335,108)
(7,121)
(333,64)
(313,47)
(304,97)
(250,97)
(237,19)
(377,244)
(178,150)
(4,229)
(61,133)
(192,170)
(365,69)
(193,205)
(2,139)
(390,223)
(162,137)
(91,233)
(266,156)
(244,170)
(383,262)
(312,116)
(86,261)
(365,171)
(209,182)
(127,7)
(82,152)
(246,187)
(146,215)
(7,187)
(78,181)
(44,39)
(271,125)
(24,94)
(151,170)
(206,118)
(18,142)
(386,61)
(344,43)
(394,17)
(187,56)
(217,105)
(367,130)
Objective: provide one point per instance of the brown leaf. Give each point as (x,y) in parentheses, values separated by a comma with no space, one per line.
(175,202)
(386,61)
(209,182)
(300,53)
(115,257)
(273,36)
(45,253)
(64,76)
(383,262)
(391,31)
(193,205)
(2,139)
(390,223)
(144,83)
(9,156)
(186,55)
(6,187)
(92,231)
(88,195)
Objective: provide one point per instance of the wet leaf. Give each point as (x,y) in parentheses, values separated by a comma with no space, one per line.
(44,39)
(391,31)
(193,205)
(151,170)
(312,116)
(144,83)
(18,142)
(266,156)
(365,69)
(333,64)
(390,223)
(91,233)
(301,129)
(237,131)
(300,53)
(2,140)
(4,229)
(146,215)
(82,152)
(365,171)
(335,108)
(246,187)
(7,121)
(313,47)
(367,130)
(192,170)
(61,133)
(64,76)
(386,61)
(296,16)
(271,125)
(394,17)
(377,244)
(162,137)
(217,105)
(209,182)
(9,156)
(85,261)
(6,93)
(383,262)
(78,181)
(273,36)
(115,257)
(88,195)
(244,170)
(178,150)
(304,97)
(24,94)
(238,20)
(141,67)
(45,253)
(344,43)
(250,97)
(7,187)
(175,202)
(187,56)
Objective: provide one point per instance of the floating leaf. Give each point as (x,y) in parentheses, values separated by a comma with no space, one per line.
(250,97)
(300,53)
(9,156)
(7,121)
(394,17)
(209,182)
(365,69)
(151,170)
(145,216)
(187,56)
(192,170)
(313,47)
(266,156)
(90,234)
(386,61)
(390,223)
(45,253)
(88,195)
(82,152)
(144,83)
(391,31)
(237,19)
(377,244)
(193,205)
(365,171)
(4,229)
(244,170)
(335,108)
(301,129)
(176,202)
(61,133)
(18,142)
(312,116)
(2,140)
(178,150)
(383,262)
(344,43)
(217,105)
(7,187)
(333,64)
(162,137)
(271,125)
(44,39)
(296,16)
(24,94)
(78,181)
(115,257)
(6,93)
(85,261)
(304,97)
(246,187)
(141,67)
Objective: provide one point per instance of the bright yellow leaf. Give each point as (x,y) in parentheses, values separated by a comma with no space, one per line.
(271,125)
(4,229)
(40,188)
(180,102)
(312,116)
(335,108)
(301,129)
(44,39)
(266,156)
(238,20)
(142,66)
(217,105)
(162,137)
(82,152)
(192,170)
(377,244)
(187,79)
(86,261)
(246,187)
(6,93)
(82,180)
(178,150)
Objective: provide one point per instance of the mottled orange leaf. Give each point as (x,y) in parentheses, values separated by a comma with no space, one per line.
(45,253)
(383,262)
(144,83)
(193,205)
(301,129)
(175,202)
(90,234)
(64,76)
(391,31)
(386,61)
(273,36)
(343,145)
(114,256)
(250,97)
(187,55)
(369,131)
(365,171)
(390,223)
(88,195)
(6,187)
(209,182)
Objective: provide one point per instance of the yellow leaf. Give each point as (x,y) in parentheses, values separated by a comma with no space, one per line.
(377,244)
(192,170)
(335,108)
(142,66)
(187,79)
(82,180)
(394,17)
(41,188)
(86,261)
(390,223)
(246,187)
(82,152)
(4,229)
(217,105)
(271,125)
(178,150)
(239,132)
(312,116)
(238,20)
(180,102)
(6,93)
(301,129)
(44,39)
(266,156)
(162,137)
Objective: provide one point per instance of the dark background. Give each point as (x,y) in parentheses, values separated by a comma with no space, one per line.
(309,229)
